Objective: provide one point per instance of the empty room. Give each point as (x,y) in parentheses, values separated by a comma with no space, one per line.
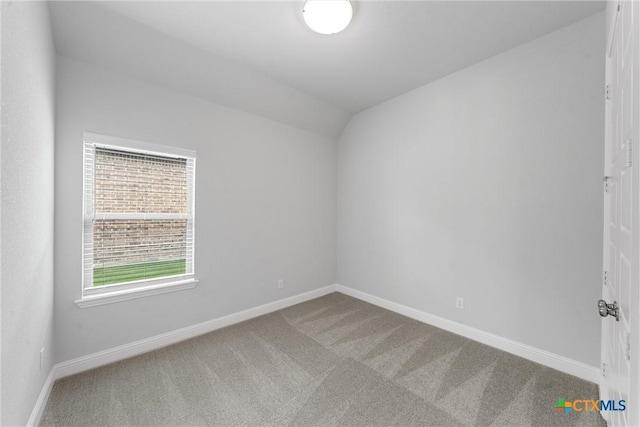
(320,213)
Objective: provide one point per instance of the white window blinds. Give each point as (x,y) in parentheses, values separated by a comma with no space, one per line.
(138,217)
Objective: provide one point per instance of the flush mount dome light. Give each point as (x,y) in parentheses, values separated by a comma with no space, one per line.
(327,16)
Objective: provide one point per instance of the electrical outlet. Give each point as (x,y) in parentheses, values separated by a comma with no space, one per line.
(280,283)
(41,357)
(460,303)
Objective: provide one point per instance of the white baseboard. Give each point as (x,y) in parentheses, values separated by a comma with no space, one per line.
(38,409)
(135,348)
(561,363)
(126,351)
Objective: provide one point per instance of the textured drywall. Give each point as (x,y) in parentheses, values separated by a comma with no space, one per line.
(265,206)
(27,205)
(486,185)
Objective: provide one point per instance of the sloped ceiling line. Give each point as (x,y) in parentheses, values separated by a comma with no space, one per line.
(260,57)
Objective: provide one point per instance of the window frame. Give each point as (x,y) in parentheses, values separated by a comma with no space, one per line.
(104,294)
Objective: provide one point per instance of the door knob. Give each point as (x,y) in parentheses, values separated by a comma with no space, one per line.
(608,309)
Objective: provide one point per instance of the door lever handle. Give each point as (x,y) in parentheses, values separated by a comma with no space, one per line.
(608,309)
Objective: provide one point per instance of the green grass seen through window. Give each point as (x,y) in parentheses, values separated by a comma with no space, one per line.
(129,273)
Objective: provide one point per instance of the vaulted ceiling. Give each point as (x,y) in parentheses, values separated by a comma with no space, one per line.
(261,58)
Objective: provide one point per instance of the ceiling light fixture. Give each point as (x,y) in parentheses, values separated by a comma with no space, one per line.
(327,16)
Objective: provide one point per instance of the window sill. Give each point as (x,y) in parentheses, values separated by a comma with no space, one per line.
(124,295)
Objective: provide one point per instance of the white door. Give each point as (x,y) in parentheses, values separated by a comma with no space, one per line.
(621,373)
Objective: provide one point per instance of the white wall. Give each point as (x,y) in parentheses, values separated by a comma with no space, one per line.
(27,205)
(486,184)
(265,206)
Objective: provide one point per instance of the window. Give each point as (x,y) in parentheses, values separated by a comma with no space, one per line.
(138,234)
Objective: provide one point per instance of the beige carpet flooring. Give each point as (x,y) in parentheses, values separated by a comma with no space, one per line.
(331,361)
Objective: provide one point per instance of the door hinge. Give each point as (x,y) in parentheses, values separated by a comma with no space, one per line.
(603,370)
(606,180)
(629,149)
(605,278)
(627,345)
(607,93)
